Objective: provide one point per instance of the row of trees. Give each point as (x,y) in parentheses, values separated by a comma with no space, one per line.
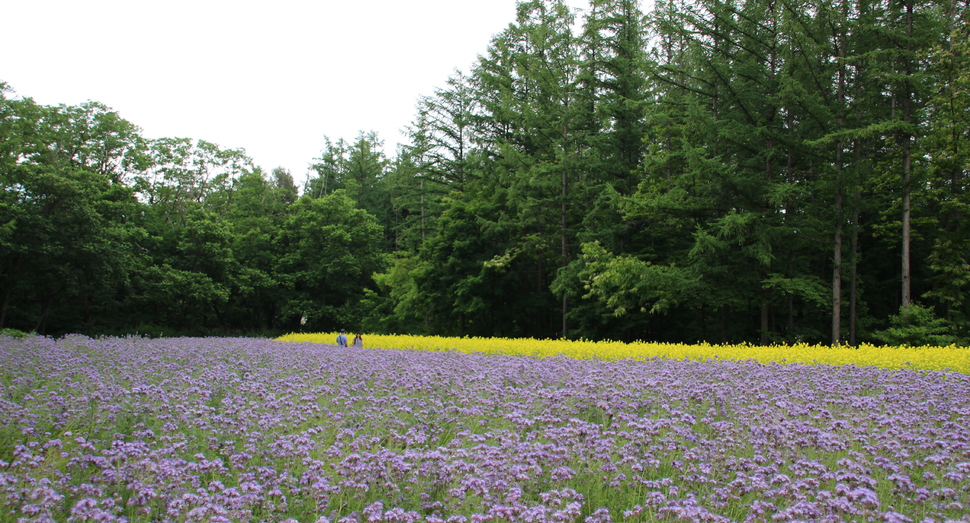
(764,171)
(104,231)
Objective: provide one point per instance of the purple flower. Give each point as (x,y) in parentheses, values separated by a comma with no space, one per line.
(244,430)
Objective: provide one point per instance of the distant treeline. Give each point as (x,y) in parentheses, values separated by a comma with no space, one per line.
(761,171)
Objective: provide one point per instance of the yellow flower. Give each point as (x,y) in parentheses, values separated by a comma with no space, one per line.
(952,358)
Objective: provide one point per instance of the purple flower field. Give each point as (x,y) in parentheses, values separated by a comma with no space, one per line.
(218,429)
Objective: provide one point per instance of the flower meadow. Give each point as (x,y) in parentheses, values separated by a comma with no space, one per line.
(232,429)
(951,358)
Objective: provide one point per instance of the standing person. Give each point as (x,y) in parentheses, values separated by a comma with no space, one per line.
(359,341)
(342,338)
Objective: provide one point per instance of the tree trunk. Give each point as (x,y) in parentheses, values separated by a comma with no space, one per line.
(764,318)
(565,256)
(839,220)
(724,320)
(907,166)
(906,272)
(41,326)
(854,273)
(857,145)
(837,271)
(6,302)
(12,274)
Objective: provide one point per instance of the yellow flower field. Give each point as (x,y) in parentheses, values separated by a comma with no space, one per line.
(952,358)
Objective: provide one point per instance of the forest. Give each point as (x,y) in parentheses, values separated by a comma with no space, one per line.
(763,171)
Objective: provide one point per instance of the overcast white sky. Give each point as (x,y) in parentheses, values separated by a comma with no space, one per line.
(271,77)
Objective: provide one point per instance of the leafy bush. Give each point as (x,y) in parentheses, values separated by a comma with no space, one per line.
(915,326)
(13,333)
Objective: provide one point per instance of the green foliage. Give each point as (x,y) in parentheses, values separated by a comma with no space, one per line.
(627,284)
(916,326)
(405,308)
(64,212)
(330,252)
(13,333)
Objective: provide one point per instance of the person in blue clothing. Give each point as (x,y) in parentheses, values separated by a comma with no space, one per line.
(342,338)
